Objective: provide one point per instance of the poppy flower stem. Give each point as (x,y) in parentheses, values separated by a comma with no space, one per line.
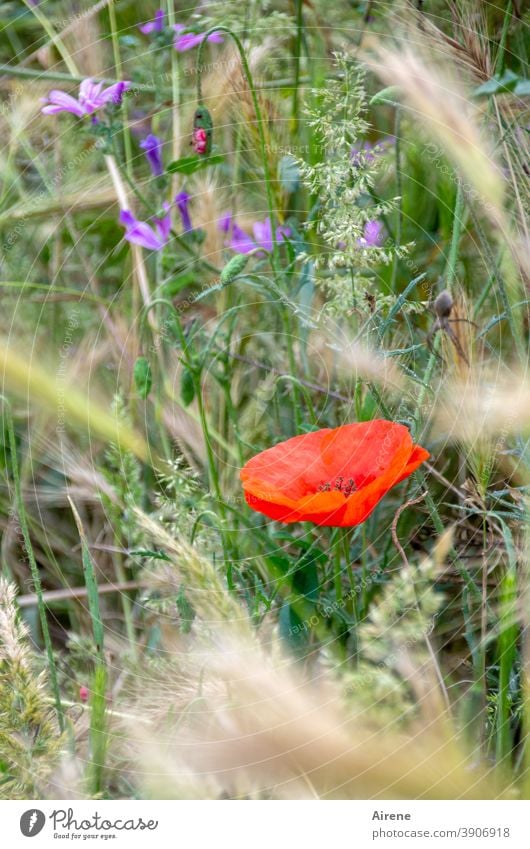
(337,572)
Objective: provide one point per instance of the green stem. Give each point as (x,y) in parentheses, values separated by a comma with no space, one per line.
(297,57)
(399,188)
(275,259)
(450,271)
(54,38)
(515,325)
(98,733)
(499,61)
(337,571)
(127,144)
(22,518)
(61,77)
(175,90)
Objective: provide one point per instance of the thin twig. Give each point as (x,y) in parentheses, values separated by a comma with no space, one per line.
(50,596)
(395,523)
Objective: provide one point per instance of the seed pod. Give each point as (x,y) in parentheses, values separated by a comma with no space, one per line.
(202,131)
(232,268)
(444,304)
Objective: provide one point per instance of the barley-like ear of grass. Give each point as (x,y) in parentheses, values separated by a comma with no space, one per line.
(234,718)
(207,590)
(22,376)
(439,104)
(359,361)
(484,404)
(269,733)
(30,740)
(483,410)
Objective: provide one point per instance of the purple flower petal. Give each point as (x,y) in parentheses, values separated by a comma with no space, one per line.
(156,25)
(263,233)
(241,242)
(91,97)
(225,223)
(193,39)
(114,93)
(283,233)
(187,41)
(182,202)
(59,101)
(152,146)
(373,234)
(140,233)
(163,225)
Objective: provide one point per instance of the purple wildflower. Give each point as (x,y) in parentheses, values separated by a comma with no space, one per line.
(152,146)
(141,233)
(366,152)
(242,243)
(373,234)
(91,97)
(156,25)
(182,202)
(188,40)
(362,152)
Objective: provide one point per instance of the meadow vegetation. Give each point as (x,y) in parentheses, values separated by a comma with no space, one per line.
(256,221)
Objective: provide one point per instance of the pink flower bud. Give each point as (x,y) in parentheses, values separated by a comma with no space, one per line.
(200,140)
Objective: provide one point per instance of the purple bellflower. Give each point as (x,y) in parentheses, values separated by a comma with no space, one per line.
(188,40)
(156,25)
(152,146)
(143,234)
(366,152)
(92,96)
(182,203)
(373,234)
(242,243)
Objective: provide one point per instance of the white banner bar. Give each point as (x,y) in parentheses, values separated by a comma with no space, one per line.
(265,825)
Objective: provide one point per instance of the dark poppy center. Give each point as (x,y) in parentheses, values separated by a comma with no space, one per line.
(338,485)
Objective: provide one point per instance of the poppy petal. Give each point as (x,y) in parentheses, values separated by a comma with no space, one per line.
(332,476)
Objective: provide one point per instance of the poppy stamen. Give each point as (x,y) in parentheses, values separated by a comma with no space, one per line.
(338,486)
(350,487)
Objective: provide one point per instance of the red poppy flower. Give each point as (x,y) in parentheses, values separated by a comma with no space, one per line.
(331,476)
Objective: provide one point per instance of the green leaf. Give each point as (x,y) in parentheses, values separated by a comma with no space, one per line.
(187,387)
(178,282)
(143,377)
(497,85)
(190,164)
(305,578)
(186,611)
(522,88)
(293,630)
(386,95)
